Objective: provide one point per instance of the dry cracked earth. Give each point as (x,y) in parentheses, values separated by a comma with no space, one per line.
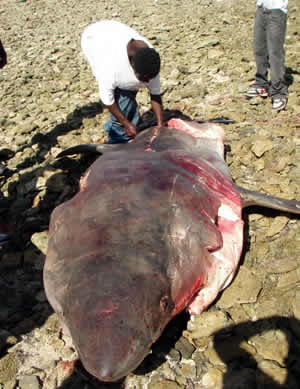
(250,337)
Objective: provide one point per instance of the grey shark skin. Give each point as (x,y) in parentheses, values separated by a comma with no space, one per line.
(155,228)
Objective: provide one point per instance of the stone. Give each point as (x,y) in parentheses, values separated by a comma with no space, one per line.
(271,374)
(289,279)
(272,345)
(207,323)
(64,370)
(10,260)
(268,307)
(207,43)
(261,145)
(213,379)
(34,259)
(226,350)
(29,382)
(238,314)
(280,265)
(10,384)
(185,348)
(243,378)
(165,384)
(8,368)
(277,225)
(6,339)
(40,240)
(188,370)
(50,381)
(41,296)
(296,305)
(244,289)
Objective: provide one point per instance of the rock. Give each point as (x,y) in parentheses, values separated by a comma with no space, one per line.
(213,379)
(41,296)
(187,371)
(244,289)
(50,381)
(27,127)
(290,279)
(277,164)
(237,314)
(207,323)
(6,339)
(64,370)
(10,384)
(224,351)
(40,240)
(165,384)
(280,265)
(296,305)
(34,258)
(185,348)
(29,382)
(8,368)
(207,43)
(215,53)
(268,307)
(10,260)
(261,145)
(259,164)
(52,179)
(272,345)
(271,374)
(277,225)
(243,378)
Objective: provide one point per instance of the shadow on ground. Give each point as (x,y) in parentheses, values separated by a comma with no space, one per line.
(22,307)
(242,370)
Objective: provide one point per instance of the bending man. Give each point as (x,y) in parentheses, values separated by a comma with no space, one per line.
(122,62)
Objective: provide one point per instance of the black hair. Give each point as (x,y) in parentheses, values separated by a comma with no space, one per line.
(146,61)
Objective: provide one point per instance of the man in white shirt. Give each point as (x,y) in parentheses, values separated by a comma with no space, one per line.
(122,62)
(269,37)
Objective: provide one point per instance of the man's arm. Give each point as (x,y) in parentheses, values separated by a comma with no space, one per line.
(129,128)
(157,108)
(3,57)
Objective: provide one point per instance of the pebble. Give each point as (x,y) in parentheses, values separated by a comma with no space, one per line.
(29,382)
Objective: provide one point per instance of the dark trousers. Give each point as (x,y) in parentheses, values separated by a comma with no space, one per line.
(127,104)
(269,37)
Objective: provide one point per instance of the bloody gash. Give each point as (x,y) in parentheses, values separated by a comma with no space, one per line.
(155,228)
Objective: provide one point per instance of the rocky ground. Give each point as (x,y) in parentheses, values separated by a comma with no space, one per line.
(250,338)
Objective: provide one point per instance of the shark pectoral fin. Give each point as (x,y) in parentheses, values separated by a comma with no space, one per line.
(89,148)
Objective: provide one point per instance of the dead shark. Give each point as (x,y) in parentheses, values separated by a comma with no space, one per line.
(155,228)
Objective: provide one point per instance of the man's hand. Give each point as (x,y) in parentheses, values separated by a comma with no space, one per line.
(130,129)
(162,124)
(3,57)
(157,108)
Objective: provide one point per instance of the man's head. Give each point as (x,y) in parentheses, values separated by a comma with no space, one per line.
(146,63)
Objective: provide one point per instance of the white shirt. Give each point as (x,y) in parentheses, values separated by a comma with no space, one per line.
(104,43)
(274,4)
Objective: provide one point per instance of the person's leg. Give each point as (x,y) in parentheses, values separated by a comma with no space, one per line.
(261,85)
(129,107)
(261,49)
(276,37)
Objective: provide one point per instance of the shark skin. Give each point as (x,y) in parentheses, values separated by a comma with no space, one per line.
(155,228)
